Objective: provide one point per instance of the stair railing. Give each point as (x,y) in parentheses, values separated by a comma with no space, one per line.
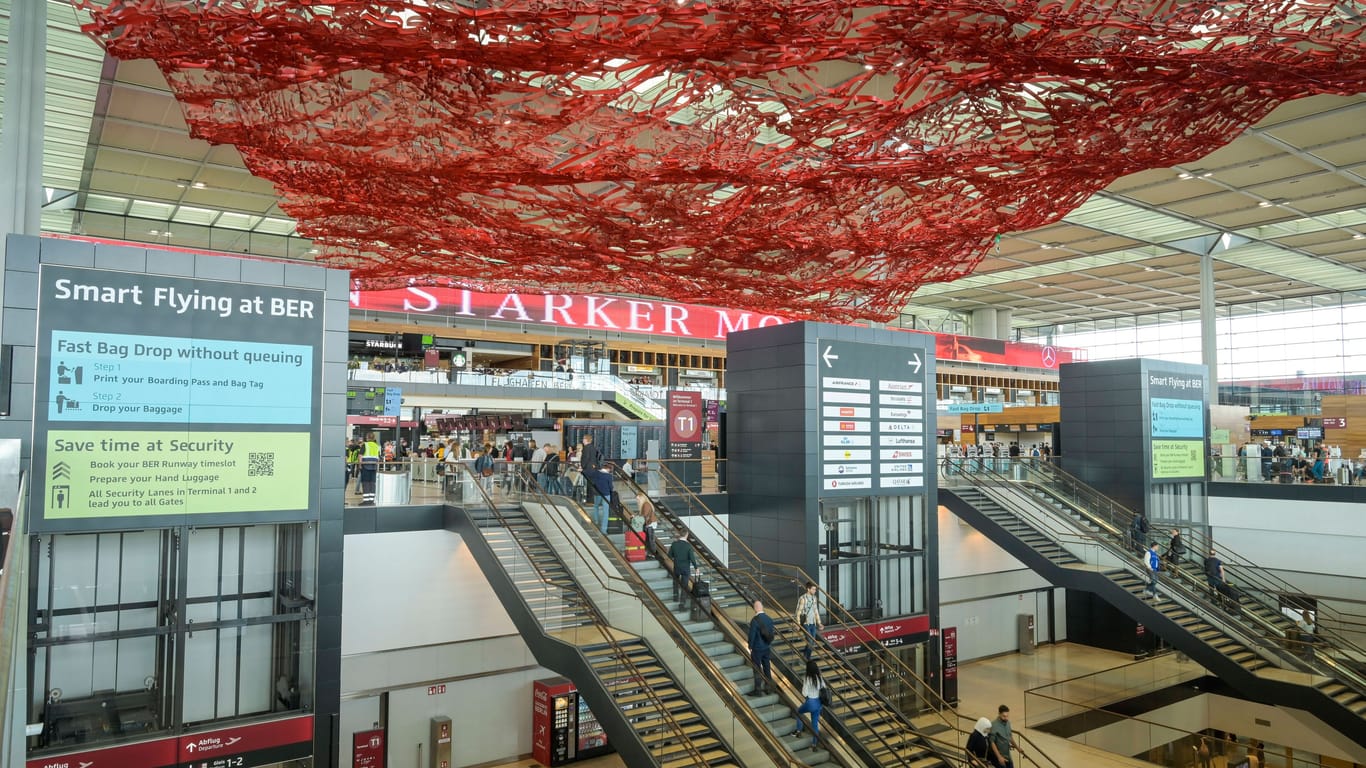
(1329,648)
(622,580)
(577,600)
(749,574)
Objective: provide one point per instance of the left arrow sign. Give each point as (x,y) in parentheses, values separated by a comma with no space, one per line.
(827,357)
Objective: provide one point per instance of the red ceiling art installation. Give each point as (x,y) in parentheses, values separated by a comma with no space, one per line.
(804,157)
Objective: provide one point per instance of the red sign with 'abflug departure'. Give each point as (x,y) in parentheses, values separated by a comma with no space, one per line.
(246,746)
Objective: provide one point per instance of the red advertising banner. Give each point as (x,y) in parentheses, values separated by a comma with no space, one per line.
(663,318)
(367,749)
(685,424)
(890,633)
(147,754)
(245,746)
(950,640)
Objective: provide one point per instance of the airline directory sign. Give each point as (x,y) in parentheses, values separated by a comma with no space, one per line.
(164,396)
(872,426)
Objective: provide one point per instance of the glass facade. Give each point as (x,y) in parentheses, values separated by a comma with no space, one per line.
(1274,356)
(141,633)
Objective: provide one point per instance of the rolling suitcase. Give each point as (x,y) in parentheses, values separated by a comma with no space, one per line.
(635,547)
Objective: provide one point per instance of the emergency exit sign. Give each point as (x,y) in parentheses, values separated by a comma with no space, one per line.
(433,690)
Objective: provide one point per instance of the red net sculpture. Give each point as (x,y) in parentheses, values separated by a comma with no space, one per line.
(802,157)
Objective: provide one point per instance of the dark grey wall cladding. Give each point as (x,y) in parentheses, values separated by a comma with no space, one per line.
(1106,429)
(24,254)
(773,433)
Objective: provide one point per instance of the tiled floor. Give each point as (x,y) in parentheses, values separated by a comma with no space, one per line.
(985,685)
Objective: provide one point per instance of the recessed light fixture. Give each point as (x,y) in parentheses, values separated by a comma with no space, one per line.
(1264,204)
(1359,236)
(1149,269)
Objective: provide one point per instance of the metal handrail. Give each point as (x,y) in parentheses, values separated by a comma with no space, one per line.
(892,664)
(600,624)
(719,683)
(1178,583)
(1246,571)
(1194,590)
(13,586)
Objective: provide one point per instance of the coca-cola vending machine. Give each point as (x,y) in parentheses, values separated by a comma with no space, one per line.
(564,730)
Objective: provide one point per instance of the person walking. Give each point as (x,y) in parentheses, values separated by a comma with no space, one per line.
(761,632)
(1307,634)
(1176,550)
(811,690)
(1152,563)
(1214,574)
(1002,739)
(684,559)
(1203,753)
(809,614)
(978,749)
(1138,533)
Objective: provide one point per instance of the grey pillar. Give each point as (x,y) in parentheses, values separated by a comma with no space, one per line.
(1209,350)
(984,322)
(1003,320)
(21,138)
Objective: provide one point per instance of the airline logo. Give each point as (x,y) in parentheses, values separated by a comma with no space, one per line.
(899,413)
(848,469)
(846,426)
(901,469)
(901,386)
(901,426)
(844,483)
(832,382)
(847,455)
(901,440)
(846,412)
(857,398)
(847,440)
(901,453)
(903,482)
(901,400)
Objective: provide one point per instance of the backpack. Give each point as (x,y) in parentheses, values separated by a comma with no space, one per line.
(826,699)
(551,466)
(766,631)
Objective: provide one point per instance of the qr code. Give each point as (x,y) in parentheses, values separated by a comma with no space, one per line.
(261,464)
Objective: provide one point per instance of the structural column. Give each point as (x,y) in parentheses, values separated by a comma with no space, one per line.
(21,138)
(1209,349)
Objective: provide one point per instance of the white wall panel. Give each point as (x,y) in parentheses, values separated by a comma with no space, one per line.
(403,590)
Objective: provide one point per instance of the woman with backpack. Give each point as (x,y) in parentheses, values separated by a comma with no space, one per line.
(813,688)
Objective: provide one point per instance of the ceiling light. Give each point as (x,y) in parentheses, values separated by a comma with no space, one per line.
(1148,269)
(199,185)
(867,66)
(1264,204)
(1183,175)
(1359,236)
(1050,246)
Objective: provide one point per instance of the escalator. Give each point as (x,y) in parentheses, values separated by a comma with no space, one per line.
(648,718)
(881,732)
(1076,538)
(657,693)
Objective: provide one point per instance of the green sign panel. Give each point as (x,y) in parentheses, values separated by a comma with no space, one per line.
(1178,458)
(119,473)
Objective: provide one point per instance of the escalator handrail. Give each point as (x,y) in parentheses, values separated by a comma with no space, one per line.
(720,685)
(1247,571)
(893,664)
(599,624)
(1193,592)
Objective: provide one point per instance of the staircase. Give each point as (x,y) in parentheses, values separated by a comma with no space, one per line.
(877,731)
(648,717)
(1078,542)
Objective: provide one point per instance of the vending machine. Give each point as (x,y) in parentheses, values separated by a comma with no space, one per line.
(564,729)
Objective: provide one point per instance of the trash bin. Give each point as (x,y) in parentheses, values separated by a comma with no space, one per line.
(392,488)
(1025,627)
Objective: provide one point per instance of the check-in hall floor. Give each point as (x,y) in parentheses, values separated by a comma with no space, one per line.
(985,685)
